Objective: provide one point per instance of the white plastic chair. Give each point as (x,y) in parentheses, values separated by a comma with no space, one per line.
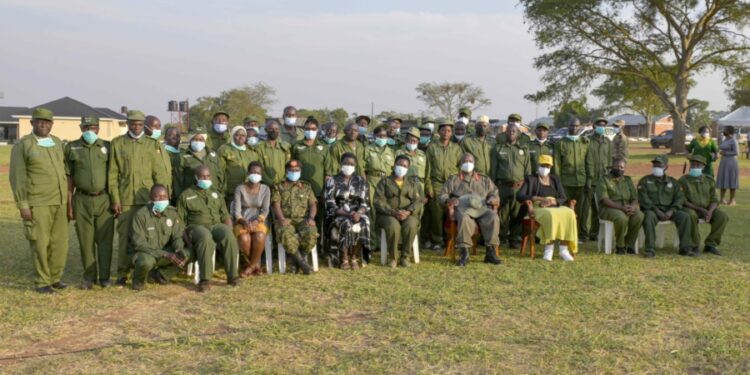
(384,248)
(194,267)
(282,258)
(269,253)
(660,234)
(606,237)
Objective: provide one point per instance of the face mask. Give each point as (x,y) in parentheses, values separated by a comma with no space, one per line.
(696,172)
(220,128)
(160,206)
(411,146)
(252,141)
(658,172)
(391,141)
(616,172)
(311,134)
(543,171)
(599,130)
(459,137)
(362,130)
(617,130)
(171,149)
(290,121)
(572,137)
(706,134)
(156,134)
(197,146)
(329,140)
(467,167)
(541,141)
(347,170)
(293,176)
(132,135)
(479,131)
(430,126)
(464,120)
(204,184)
(380,142)
(400,171)
(254,178)
(89,136)
(45,142)
(398,131)
(241,148)
(424,139)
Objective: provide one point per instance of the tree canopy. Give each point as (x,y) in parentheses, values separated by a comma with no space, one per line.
(446,98)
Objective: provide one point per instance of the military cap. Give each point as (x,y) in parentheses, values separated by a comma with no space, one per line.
(444,122)
(619,123)
(42,114)
(471,205)
(465,110)
(136,116)
(250,118)
(543,125)
(360,117)
(394,119)
(514,116)
(414,132)
(660,159)
(601,119)
(220,113)
(484,118)
(699,158)
(88,121)
(196,131)
(545,159)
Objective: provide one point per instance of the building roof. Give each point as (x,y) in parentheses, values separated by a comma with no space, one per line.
(69,107)
(7,113)
(630,119)
(547,120)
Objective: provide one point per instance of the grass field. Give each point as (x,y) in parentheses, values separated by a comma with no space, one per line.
(598,315)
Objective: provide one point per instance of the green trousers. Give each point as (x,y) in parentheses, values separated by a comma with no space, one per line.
(489,229)
(718,222)
(582,211)
(396,232)
(124,222)
(95,228)
(626,227)
(592,212)
(47,233)
(296,236)
(143,263)
(510,208)
(372,182)
(681,219)
(435,215)
(205,240)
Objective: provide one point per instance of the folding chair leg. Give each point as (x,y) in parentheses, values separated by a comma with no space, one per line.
(383,248)
(282,259)
(314,255)
(415,249)
(269,254)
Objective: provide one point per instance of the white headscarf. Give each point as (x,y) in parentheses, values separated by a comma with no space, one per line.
(233,132)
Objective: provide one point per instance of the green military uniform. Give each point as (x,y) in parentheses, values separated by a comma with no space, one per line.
(313,159)
(291,138)
(215,140)
(235,162)
(442,163)
(510,165)
(395,143)
(482,151)
(701,191)
(598,164)
(620,146)
(166,165)
(489,223)
(665,194)
(333,163)
(378,164)
(174,162)
(570,165)
(417,164)
(389,198)
(294,199)
(37,178)
(274,158)
(621,191)
(191,160)
(523,138)
(538,148)
(205,213)
(87,166)
(151,238)
(134,167)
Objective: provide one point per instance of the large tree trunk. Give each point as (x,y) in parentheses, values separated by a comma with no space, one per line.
(679,113)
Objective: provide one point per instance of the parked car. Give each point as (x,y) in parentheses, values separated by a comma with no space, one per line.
(665,139)
(557,134)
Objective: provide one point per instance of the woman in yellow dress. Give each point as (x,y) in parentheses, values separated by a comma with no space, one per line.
(557,222)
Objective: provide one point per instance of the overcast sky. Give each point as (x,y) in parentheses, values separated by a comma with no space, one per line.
(322,53)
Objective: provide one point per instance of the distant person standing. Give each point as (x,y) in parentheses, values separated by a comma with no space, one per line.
(728,176)
(620,141)
(705,146)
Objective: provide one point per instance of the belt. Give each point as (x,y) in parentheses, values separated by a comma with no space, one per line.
(91,194)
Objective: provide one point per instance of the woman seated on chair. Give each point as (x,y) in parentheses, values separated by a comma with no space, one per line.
(545,197)
(346,200)
(249,210)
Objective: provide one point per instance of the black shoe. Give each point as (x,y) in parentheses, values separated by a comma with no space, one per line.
(59,285)
(235,281)
(649,254)
(463,257)
(138,286)
(121,282)
(157,278)
(301,263)
(620,250)
(684,251)
(105,283)
(490,256)
(631,251)
(404,262)
(87,285)
(695,251)
(204,286)
(45,290)
(712,250)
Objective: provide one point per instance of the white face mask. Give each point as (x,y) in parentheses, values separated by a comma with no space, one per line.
(136,136)
(254,178)
(347,170)
(706,134)
(658,172)
(252,141)
(311,134)
(220,128)
(465,120)
(411,146)
(400,171)
(467,167)
(459,137)
(541,141)
(430,126)
(290,121)
(197,146)
(543,171)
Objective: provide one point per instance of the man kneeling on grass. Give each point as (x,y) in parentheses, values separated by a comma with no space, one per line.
(155,242)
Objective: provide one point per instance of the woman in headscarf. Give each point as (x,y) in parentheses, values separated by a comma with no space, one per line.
(234,158)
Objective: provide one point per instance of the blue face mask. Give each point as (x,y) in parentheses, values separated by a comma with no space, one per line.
(696,172)
(241,148)
(572,137)
(45,142)
(599,130)
(381,141)
(362,130)
(89,137)
(197,146)
(293,176)
(425,139)
(160,206)
(252,141)
(391,141)
(311,134)
(329,140)
(171,149)
(156,134)
(204,184)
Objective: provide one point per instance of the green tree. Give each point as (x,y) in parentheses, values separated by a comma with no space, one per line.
(623,91)
(569,110)
(325,115)
(238,102)
(739,92)
(586,40)
(446,98)
(698,114)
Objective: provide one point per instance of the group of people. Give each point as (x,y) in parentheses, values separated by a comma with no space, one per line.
(229,192)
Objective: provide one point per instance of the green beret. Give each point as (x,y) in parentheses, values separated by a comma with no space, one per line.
(514,117)
(88,121)
(249,119)
(543,125)
(360,117)
(660,159)
(699,158)
(414,132)
(444,122)
(601,119)
(42,114)
(465,110)
(220,113)
(136,116)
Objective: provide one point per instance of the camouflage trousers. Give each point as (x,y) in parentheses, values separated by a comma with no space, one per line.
(296,236)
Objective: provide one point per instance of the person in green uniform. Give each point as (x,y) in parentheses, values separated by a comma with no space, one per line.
(510,165)
(379,160)
(252,139)
(202,209)
(172,147)
(464,117)
(363,127)
(311,152)
(218,135)
(235,156)
(459,132)
(291,132)
(394,133)
(417,157)
(134,167)
(250,122)
(479,146)
(156,245)
(516,120)
(702,202)
(619,204)
(705,146)
(442,163)
(426,136)
(294,209)
(330,133)
(86,165)
(598,164)
(348,144)
(274,154)
(152,128)
(620,141)
(661,199)
(540,145)
(37,178)
(475,200)
(198,154)
(398,201)
(570,164)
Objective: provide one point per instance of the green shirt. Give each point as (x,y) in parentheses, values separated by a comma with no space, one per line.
(700,191)
(134,167)
(510,162)
(174,161)
(189,163)
(482,151)
(156,235)
(663,193)
(418,164)
(202,207)
(333,163)
(87,164)
(37,174)
(442,162)
(620,146)
(389,197)
(379,160)
(274,158)
(537,149)
(294,198)
(621,191)
(235,162)
(570,161)
(216,140)
(291,138)
(599,158)
(313,159)
(706,151)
